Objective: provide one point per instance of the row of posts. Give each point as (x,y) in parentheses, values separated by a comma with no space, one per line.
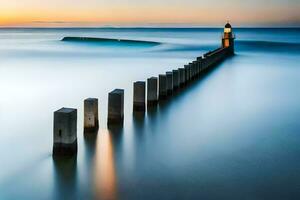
(158,89)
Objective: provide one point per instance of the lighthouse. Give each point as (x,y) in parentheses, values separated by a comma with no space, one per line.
(228,38)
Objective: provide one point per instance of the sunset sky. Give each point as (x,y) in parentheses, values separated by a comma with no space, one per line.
(54,13)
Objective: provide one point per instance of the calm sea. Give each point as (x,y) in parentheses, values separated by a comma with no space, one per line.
(233,134)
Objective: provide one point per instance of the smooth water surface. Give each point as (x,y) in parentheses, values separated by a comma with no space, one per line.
(233,134)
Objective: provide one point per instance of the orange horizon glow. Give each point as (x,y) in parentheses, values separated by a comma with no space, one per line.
(122,14)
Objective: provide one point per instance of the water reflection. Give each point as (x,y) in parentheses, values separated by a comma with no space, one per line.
(138,118)
(105,179)
(90,141)
(116,134)
(65,175)
(138,126)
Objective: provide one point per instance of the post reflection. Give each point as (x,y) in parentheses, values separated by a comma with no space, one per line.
(90,141)
(104,171)
(65,177)
(138,125)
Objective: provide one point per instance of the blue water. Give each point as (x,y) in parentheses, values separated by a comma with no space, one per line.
(233,134)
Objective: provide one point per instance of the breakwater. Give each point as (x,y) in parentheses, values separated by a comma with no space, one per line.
(159,88)
(110,41)
(147,93)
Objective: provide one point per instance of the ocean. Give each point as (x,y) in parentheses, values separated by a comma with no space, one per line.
(233,134)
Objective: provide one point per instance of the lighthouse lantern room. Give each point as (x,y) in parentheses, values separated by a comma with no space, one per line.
(228,38)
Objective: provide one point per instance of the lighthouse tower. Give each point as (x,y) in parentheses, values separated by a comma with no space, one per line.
(228,38)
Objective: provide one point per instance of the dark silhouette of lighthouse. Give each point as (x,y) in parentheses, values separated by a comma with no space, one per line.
(228,38)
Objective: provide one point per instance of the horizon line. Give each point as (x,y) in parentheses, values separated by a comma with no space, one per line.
(116,27)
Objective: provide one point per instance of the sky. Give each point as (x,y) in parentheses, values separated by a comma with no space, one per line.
(91,13)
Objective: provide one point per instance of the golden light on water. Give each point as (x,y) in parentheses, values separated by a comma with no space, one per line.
(104,174)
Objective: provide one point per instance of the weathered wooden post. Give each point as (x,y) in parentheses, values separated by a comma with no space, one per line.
(65,132)
(139,102)
(91,119)
(175,79)
(151,91)
(115,107)
(162,86)
(169,83)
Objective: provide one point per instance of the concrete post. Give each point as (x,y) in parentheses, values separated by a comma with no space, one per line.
(169,83)
(190,74)
(91,119)
(115,107)
(162,86)
(187,77)
(204,64)
(191,71)
(213,59)
(195,63)
(182,76)
(65,132)
(151,91)
(176,79)
(139,102)
(199,59)
(207,58)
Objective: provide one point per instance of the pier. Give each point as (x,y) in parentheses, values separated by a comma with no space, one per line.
(109,41)
(158,87)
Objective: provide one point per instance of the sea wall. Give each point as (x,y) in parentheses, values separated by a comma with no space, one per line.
(159,88)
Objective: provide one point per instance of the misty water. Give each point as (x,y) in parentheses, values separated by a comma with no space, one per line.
(232,134)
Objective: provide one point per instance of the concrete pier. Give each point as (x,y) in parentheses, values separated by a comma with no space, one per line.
(115,107)
(139,101)
(169,83)
(91,119)
(65,132)
(152,91)
(162,86)
(182,76)
(176,79)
